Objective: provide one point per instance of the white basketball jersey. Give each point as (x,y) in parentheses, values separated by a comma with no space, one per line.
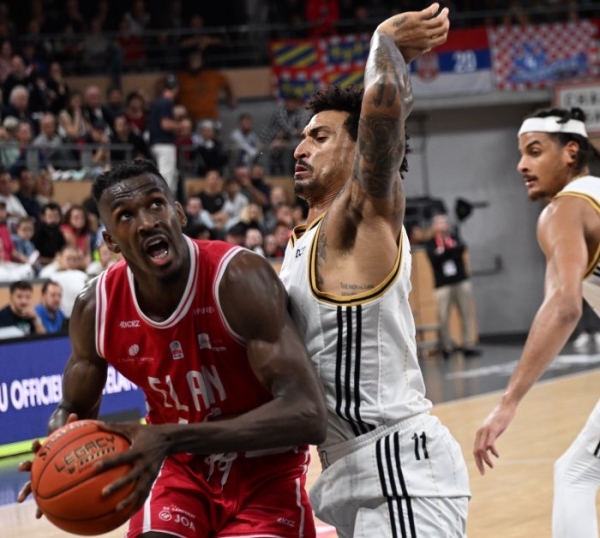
(363,346)
(588,187)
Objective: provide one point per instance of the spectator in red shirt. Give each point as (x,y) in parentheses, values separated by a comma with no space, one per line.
(322,15)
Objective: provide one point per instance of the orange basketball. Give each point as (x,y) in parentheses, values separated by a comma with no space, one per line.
(67,488)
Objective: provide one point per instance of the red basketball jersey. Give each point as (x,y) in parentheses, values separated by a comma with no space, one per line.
(192,367)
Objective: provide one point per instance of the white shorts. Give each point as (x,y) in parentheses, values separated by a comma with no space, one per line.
(589,436)
(403,481)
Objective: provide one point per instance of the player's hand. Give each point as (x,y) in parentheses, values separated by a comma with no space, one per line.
(25,467)
(493,426)
(417,32)
(146,455)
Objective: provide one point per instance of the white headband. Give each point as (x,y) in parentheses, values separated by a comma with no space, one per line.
(551,124)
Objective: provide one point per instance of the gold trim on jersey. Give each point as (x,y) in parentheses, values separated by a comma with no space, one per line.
(301,229)
(596,205)
(359,298)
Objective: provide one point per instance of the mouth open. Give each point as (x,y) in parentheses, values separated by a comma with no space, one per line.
(158,250)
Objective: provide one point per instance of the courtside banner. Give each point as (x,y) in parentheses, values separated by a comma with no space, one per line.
(585,95)
(538,56)
(462,65)
(31,387)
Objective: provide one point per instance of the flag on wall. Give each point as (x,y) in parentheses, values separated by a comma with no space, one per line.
(537,56)
(462,65)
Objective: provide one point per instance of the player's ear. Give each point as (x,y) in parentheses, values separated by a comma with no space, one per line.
(572,149)
(112,246)
(182,215)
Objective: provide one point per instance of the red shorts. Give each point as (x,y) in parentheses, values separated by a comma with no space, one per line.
(237,495)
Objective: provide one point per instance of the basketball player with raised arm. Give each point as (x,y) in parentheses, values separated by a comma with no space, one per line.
(390,469)
(555,152)
(202,328)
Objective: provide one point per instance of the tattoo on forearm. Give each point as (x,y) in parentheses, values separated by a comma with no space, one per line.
(381,148)
(399,21)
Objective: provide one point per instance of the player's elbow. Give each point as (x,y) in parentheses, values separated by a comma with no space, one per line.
(569,310)
(312,421)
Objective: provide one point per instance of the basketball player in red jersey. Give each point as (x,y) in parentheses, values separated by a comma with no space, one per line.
(203,329)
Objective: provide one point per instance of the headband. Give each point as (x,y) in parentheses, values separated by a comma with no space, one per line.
(551,124)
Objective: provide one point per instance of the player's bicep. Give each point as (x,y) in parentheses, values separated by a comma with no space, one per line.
(85,372)
(254,303)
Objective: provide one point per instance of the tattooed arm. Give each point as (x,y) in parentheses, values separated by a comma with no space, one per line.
(386,104)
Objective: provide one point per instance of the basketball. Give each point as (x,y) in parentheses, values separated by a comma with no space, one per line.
(67,487)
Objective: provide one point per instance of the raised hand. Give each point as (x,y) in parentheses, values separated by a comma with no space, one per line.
(417,32)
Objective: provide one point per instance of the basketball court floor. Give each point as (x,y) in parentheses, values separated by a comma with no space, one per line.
(511,501)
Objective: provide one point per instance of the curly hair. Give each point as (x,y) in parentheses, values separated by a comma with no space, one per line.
(586,150)
(347,99)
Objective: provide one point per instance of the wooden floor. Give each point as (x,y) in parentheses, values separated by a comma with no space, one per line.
(512,501)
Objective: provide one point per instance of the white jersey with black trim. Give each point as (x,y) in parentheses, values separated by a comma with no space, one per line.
(588,188)
(362,346)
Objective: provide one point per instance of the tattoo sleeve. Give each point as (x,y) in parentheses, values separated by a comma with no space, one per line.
(381,138)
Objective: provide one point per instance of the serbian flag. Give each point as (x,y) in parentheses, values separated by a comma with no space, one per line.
(462,65)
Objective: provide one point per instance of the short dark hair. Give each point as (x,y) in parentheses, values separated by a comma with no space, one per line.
(346,99)
(586,150)
(123,172)
(20,285)
(49,283)
(52,206)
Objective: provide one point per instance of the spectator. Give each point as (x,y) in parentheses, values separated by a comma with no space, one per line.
(131,46)
(163,127)
(138,18)
(271,248)
(211,155)
(105,259)
(115,104)
(277,198)
(254,185)
(124,135)
(97,155)
(322,16)
(48,238)
(19,311)
(20,76)
(282,234)
(28,156)
(26,192)
(213,200)
(72,125)
(135,112)
(196,214)
(77,232)
(201,88)
(48,309)
(14,207)
(9,148)
(51,144)
(24,249)
(19,107)
(44,187)
(5,234)
(94,111)
(96,47)
(447,253)
(245,142)
(197,38)
(6,54)
(186,150)
(253,217)
(58,88)
(254,240)
(236,234)
(235,202)
(282,133)
(66,271)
